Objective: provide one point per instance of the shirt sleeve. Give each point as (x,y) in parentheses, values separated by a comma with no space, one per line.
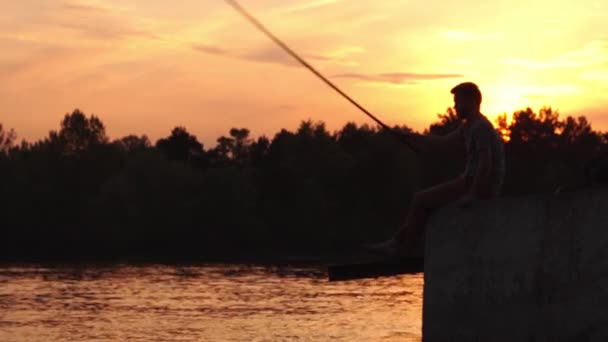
(482,137)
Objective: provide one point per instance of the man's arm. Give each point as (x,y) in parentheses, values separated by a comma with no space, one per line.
(481,180)
(451,138)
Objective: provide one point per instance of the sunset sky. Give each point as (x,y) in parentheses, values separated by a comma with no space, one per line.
(146,66)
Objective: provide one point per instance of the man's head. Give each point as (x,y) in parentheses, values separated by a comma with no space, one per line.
(467,99)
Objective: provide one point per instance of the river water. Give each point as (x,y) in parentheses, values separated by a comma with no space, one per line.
(203,303)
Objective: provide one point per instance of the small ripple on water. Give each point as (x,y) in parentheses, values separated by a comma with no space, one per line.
(204,302)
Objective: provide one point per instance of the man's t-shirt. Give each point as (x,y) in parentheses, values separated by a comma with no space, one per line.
(478,134)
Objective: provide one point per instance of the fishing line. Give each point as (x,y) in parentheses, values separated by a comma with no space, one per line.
(292,53)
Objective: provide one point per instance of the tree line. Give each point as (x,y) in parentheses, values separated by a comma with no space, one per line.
(77,194)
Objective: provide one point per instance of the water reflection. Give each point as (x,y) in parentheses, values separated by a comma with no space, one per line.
(204,303)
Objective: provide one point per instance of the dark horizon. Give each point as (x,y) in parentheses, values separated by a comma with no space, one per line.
(308,192)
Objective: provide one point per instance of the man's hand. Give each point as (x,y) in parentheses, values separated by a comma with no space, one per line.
(406,137)
(410,139)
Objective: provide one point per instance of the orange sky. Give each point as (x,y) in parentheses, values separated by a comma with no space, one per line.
(146,66)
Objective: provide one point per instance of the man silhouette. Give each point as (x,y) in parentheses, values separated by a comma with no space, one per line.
(482,177)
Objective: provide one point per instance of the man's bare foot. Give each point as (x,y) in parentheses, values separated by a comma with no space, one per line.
(388,248)
(394,248)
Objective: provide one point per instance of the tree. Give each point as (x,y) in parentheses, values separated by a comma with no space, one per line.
(354,139)
(259,150)
(78,133)
(541,129)
(578,131)
(235,148)
(7,138)
(240,147)
(133,143)
(222,153)
(503,127)
(180,145)
(310,129)
(447,123)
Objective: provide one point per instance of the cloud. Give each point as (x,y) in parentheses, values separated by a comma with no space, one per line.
(310,5)
(83,7)
(95,20)
(37,60)
(467,35)
(546,64)
(341,55)
(600,75)
(398,77)
(68,22)
(274,55)
(591,54)
(91,6)
(270,54)
(285,107)
(551,90)
(9,68)
(210,49)
(97,30)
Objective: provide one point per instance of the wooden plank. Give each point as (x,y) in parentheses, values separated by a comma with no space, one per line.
(374,268)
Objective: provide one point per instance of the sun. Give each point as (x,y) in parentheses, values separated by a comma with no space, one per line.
(504,98)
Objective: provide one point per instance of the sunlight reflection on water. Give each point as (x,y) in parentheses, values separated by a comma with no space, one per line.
(204,303)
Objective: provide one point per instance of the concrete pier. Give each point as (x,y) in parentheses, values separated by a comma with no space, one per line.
(531,268)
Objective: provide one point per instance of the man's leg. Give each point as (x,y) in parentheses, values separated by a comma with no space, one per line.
(423,203)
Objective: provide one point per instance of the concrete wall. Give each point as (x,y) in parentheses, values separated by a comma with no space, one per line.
(519,269)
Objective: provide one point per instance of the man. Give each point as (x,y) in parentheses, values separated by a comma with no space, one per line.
(482,177)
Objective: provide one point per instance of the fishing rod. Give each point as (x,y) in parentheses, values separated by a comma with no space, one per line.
(286,48)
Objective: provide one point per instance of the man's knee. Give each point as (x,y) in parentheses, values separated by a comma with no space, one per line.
(423,200)
(438,196)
